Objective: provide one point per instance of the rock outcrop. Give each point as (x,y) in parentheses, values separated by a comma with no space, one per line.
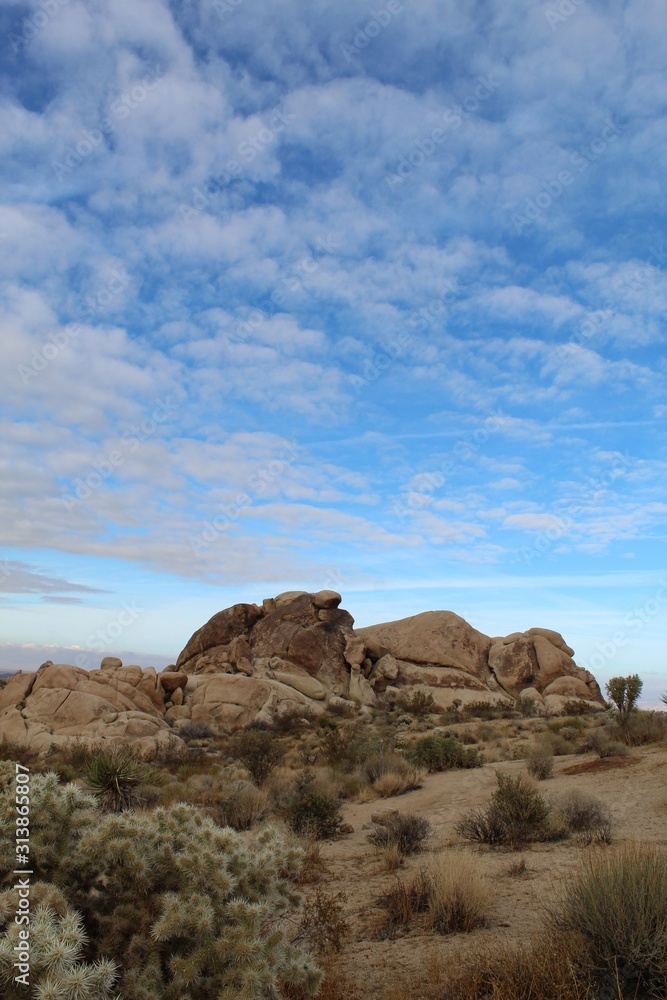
(297,651)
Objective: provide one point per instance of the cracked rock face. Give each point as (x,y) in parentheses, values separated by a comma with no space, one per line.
(296,651)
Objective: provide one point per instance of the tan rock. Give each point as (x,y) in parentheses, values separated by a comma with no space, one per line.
(304,683)
(110,663)
(555,638)
(569,687)
(514,665)
(387,666)
(374,647)
(287,597)
(16,689)
(437,638)
(178,712)
(172,680)
(326,599)
(552,661)
(177,697)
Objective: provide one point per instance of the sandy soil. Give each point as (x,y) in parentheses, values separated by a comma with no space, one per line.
(634,789)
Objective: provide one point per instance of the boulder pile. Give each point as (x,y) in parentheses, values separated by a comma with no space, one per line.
(297,651)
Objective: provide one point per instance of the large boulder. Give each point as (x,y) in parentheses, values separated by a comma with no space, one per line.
(435,639)
(61,702)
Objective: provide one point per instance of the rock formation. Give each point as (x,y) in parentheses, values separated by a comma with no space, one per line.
(297,651)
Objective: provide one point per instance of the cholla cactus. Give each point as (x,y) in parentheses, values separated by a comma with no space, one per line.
(58,813)
(188,909)
(56,970)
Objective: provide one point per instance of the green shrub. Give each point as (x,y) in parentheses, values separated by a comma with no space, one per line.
(404,830)
(258,750)
(185,908)
(487,710)
(617,908)
(418,703)
(516,814)
(311,812)
(440,752)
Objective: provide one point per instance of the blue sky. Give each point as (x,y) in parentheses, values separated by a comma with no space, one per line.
(333,295)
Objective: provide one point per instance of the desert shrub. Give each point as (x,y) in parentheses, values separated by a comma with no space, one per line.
(601,743)
(295,720)
(577,706)
(19,752)
(258,750)
(525,706)
(467,736)
(520,751)
(184,907)
(457,894)
(241,806)
(311,812)
(489,710)
(195,731)
(516,814)
(324,926)
(540,763)
(440,752)
(645,727)
(418,703)
(586,817)
(617,909)
(171,753)
(544,969)
(407,831)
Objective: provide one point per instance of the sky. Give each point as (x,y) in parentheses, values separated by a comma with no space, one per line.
(333,295)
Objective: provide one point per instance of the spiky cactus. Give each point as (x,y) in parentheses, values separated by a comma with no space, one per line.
(188,909)
(56,969)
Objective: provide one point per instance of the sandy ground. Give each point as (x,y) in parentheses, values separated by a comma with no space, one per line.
(634,789)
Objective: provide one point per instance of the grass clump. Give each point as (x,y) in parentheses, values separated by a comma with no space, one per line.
(544,969)
(616,908)
(441,752)
(516,814)
(457,895)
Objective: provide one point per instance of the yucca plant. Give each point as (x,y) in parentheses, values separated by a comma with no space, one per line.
(114,774)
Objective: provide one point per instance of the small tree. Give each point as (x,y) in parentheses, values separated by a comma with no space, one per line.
(624,693)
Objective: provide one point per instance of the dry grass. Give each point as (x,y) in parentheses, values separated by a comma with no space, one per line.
(458,896)
(545,969)
(398,782)
(390,857)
